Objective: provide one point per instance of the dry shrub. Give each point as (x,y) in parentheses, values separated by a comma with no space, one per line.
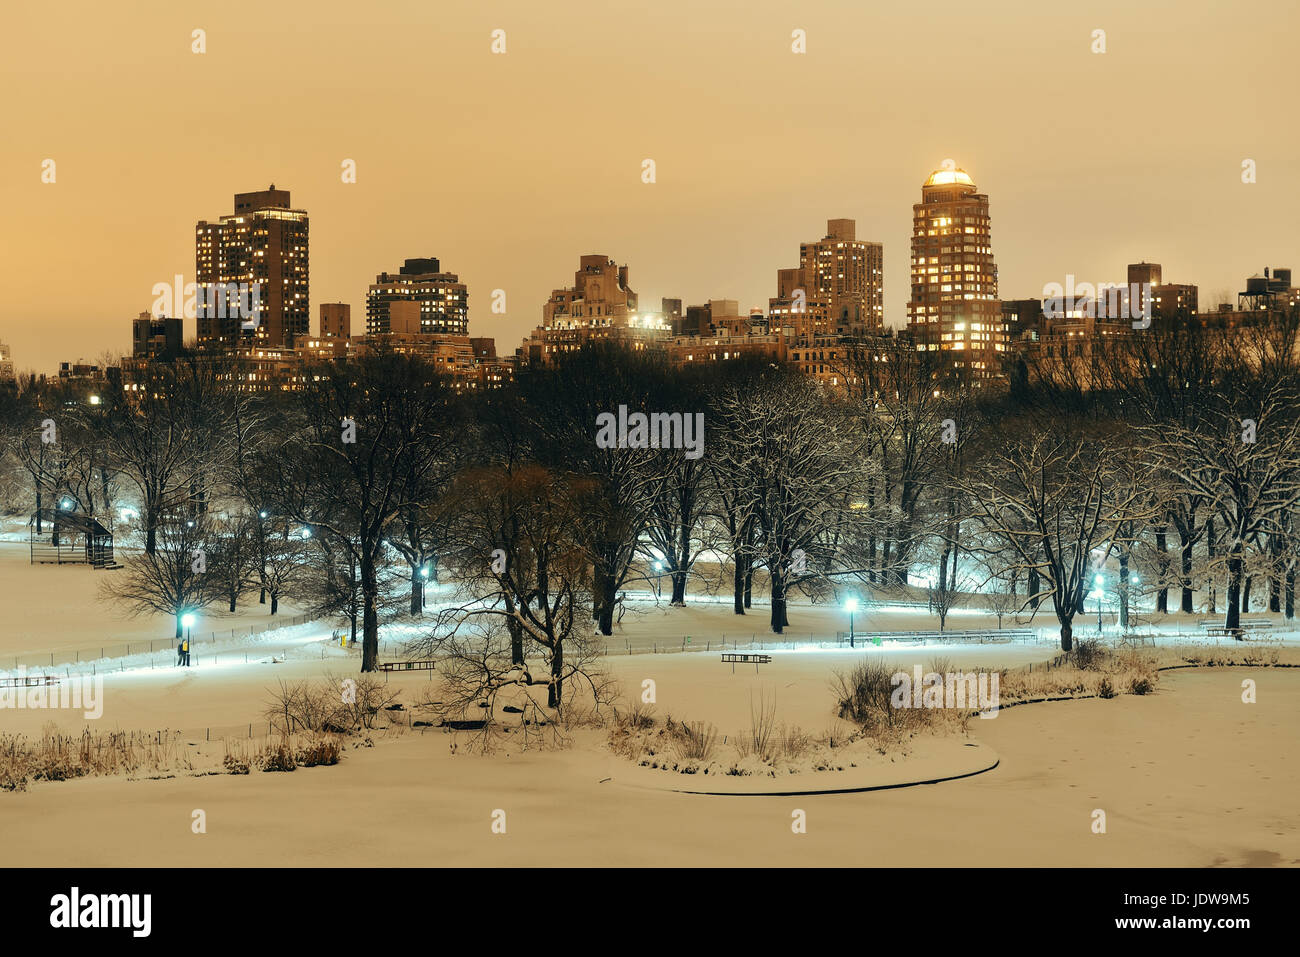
(275,756)
(321,705)
(693,740)
(1141,685)
(1105,689)
(757,740)
(1090,655)
(237,759)
(638,716)
(318,749)
(62,757)
(793,743)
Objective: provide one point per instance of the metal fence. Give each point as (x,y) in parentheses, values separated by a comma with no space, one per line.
(157,649)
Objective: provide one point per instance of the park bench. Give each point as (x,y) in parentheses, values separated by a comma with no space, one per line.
(1221,631)
(425,664)
(1250,623)
(28,681)
(734,658)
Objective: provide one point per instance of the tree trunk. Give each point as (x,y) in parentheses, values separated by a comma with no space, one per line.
(417,591)
(738,593)
(679,588)
(1034,585)
(369,613)
(1067,636)
(1162,596)
(749,585)
(777,587)
(1288,592)
(1123,589)
(232,604)
(275,602)
(178,626)
(605,619)
(1186,570)
(1233,617)
(555,690)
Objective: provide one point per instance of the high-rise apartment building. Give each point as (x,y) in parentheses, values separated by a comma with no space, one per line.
(838,286)
(442,298)
(262,246)
(954,305)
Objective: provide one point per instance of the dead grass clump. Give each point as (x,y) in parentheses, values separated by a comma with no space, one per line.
(63,757)
(318,749)
(694,740)
(275,756)
(757,740)
(237,759)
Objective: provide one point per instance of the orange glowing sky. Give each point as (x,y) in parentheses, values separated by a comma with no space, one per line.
(509,167)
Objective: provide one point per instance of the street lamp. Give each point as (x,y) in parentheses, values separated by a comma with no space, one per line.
(851,605)
(424,580)
(1098,582)
(659,567)
(188,621)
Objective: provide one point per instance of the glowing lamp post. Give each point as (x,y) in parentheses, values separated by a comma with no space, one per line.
(188,621)
(659,568)
(1098,582)
(851,605)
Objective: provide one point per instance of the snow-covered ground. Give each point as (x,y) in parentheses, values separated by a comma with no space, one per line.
(1189,775)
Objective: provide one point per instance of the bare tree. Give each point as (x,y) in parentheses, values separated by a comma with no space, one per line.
(171,579)
(1054,506)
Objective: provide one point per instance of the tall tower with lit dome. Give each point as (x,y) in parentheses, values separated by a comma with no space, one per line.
(954,306)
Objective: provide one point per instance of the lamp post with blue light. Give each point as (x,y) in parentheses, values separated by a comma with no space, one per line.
(851,605)
(1098,583)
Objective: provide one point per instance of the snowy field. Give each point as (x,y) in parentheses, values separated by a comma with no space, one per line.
(1187,776)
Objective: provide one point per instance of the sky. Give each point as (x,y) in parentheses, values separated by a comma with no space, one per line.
(510,166)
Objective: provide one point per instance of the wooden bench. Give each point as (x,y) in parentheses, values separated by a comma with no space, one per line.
(425,664)
(733,659)
(1221,631)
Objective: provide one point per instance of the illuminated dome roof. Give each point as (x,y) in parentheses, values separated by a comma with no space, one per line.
(947,177)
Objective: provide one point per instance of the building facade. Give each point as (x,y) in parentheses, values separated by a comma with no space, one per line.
(442,298)
(954,307)
(263,245)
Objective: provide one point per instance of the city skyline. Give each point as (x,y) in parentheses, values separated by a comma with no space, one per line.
(520,196)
